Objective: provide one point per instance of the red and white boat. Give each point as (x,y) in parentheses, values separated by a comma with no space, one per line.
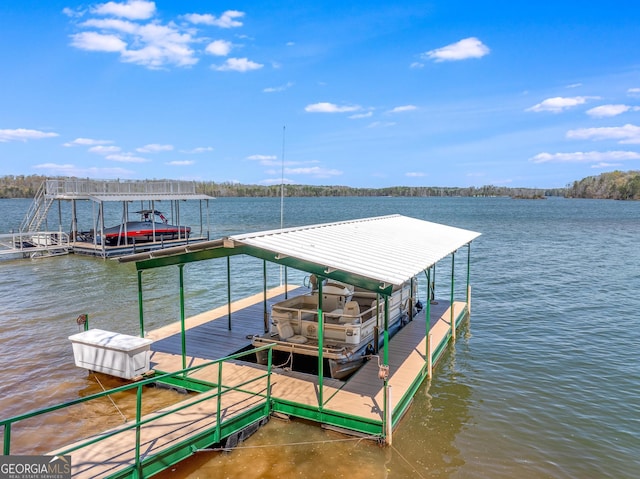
(145,230)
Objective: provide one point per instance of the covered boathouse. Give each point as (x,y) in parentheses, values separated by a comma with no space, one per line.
(208,353)
(376,254)
(94,203)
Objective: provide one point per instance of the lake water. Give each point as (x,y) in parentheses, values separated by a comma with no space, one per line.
(544,382)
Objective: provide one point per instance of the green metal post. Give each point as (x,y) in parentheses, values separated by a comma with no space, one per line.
(386,331)
(219,404)
(264,301)
(269,364)
(229,293)
(286,282)
(427,313)
(453,321)
(433,284)
(140,305)
(468,272)
(386,405)
(320,344)
(183,331)
(138,419)
(7,439)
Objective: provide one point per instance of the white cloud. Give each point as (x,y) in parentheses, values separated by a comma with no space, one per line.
(606,165)
(91,172)
(97,42)
(357,116)
(127,158)
(152,45)
(574,85)
(226,20)
(635,92)
(559,104)
(415,174)
(400,109)
(416,65)
(627,134)
(132,9)
(180,163)
(200,149)
(23,134)
(466,48)
(605,111)
(278,88)
(104,150)
(238,65)
(325,107)
(585,157)
(314,171)
(87,142)
(381,124)
(154,148)
(265,160)
(220,48)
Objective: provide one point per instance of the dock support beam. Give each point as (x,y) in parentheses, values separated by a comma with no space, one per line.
(320,346)
(183,331)
(453,319)
(140,306)
(264,301)
(229,293)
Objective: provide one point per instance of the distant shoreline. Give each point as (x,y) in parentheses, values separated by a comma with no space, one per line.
(614,185)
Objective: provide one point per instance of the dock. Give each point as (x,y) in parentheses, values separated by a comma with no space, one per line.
(84,228)
(211,355)
(193,422)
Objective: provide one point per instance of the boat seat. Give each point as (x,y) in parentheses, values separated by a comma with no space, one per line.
(350,313)
(286,333)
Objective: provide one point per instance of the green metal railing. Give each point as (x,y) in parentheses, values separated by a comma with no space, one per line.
(220,390)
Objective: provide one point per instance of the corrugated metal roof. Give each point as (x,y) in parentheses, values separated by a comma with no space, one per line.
(389,249)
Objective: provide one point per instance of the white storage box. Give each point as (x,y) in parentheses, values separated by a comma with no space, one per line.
(115,354)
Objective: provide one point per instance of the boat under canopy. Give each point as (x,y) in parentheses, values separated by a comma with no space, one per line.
(367,266)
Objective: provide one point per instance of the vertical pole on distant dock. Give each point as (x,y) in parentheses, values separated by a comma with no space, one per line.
(453,319)
(229,293)
(183,331)
(140,305)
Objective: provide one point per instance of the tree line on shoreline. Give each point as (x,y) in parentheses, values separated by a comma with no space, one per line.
(614,185)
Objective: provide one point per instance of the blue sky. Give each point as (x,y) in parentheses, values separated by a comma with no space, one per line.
(363,94)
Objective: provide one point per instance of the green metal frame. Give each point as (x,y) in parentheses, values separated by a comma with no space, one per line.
(155,463)
(318,412)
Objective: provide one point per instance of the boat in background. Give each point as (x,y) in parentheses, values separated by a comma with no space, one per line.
(145,230)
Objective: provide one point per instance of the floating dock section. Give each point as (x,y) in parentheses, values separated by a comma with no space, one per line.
(211,354)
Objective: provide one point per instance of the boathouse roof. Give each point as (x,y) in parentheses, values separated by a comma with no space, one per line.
(376,252)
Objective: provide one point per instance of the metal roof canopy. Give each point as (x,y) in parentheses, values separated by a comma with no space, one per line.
(373,253)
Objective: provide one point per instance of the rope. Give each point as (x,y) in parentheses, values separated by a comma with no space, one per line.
(111,399)
(304,443)
(408,463)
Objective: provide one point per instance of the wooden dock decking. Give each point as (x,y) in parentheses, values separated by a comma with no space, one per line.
(208,338)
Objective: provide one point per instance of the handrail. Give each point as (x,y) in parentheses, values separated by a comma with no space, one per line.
(7,423)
